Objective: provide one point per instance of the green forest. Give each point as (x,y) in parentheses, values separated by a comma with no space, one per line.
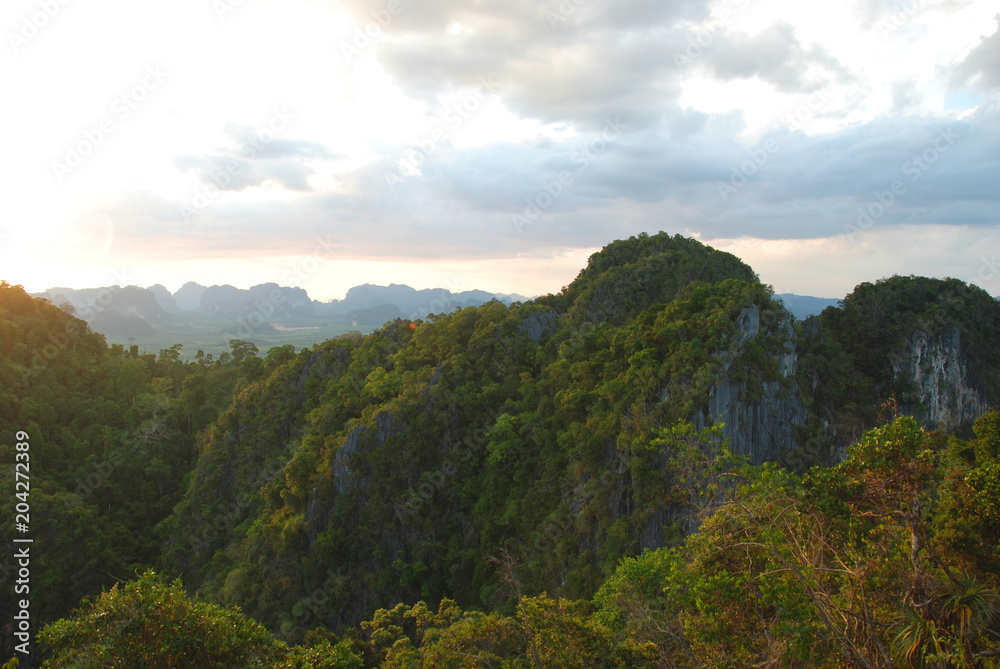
(656,467)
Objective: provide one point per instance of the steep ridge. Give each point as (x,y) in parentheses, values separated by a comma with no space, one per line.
(909,345)
(943,391)
(407,464)
(521,430)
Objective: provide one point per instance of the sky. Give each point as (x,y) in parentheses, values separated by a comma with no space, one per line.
(495,144)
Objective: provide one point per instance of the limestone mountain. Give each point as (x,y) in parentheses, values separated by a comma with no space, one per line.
(400,459)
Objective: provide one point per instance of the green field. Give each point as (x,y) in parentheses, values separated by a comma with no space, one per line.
(213,335)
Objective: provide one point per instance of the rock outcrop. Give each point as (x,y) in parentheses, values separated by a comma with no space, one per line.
(358,439)
(760,415)
(944,393)
(539,325)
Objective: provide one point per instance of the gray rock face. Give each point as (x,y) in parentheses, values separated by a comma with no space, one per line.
(539,325)
(359,438)
(759,424)
(938,368)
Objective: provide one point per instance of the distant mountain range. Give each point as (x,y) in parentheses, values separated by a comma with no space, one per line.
(804,306)
(267,314)
(157,305)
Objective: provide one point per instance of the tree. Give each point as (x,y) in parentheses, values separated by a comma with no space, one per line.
(242,350)
(152,624)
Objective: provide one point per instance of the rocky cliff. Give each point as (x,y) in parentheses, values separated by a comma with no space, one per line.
(760,414)
(942,391)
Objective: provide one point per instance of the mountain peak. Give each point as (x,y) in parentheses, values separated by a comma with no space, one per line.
(632,274)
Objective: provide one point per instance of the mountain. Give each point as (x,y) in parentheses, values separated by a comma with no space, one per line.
(401,459)
(164,299)
(925,347)
(272,300)
(410,302)
(188,297)
(657,466)
(629,275)
(129,301)
(803,306)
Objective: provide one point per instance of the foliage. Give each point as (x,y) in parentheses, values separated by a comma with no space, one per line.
(841,568)
(533,485)
(112,435)
(150,623)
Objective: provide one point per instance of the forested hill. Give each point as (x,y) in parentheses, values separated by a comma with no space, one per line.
(504,451)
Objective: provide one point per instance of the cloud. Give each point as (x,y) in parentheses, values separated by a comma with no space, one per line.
(263,146)
(532,19)
(905,95)
(258,158)
(582,61)
(889,14)
(568,61)
(588,189)
(775,56)
(981,67)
